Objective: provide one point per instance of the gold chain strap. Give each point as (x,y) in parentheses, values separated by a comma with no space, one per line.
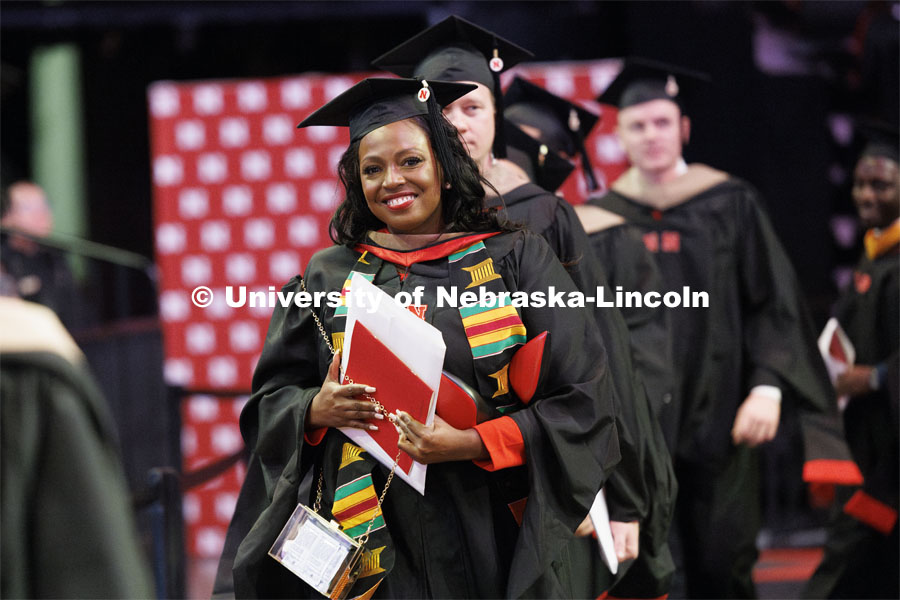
(318,322)
(318,504)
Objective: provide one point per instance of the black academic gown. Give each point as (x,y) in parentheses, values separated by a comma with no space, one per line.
(860,561)
(643,486)
(68,527)
(629,266)
(712,236)
(756,330)
(457,540)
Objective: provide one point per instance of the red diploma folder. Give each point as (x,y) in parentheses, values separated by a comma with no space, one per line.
(371,363)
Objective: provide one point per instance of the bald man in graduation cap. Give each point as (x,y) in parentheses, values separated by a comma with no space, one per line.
(735,358)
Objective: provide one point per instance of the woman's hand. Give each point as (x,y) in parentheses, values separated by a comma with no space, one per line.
(439,443)
(339,405)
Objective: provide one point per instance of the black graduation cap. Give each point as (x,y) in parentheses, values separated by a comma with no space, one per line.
(375,102)
(544,166)
(457,50)
(642,80)
(564,125)
(880,138)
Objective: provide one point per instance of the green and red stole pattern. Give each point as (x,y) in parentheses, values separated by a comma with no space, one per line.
(494,332)
(355,506)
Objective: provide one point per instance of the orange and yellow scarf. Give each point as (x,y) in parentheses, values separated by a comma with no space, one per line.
(879,241)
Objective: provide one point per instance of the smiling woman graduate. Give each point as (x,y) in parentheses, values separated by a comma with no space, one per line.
(642,489)
(413,216)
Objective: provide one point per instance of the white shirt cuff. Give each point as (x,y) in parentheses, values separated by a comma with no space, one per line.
(769,391)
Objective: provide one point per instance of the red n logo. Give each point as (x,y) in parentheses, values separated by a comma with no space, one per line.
(418,310)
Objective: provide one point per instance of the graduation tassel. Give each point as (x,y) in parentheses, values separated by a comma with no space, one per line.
(586,167)
(496,66)
(439,143)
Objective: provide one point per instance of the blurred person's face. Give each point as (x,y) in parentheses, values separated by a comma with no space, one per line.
(876,191)
(652,134)
(28,211)
(400,178)
(473,117)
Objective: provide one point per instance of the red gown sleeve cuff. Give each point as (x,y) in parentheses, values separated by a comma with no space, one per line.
(841,472)
(504,444)
(315,437)
(872,512)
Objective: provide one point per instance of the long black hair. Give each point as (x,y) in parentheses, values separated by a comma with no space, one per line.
(462,204)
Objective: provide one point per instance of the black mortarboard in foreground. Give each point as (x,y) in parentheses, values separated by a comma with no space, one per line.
(563,125)
(642,80)
(375,102)
(881,139)
(544,166)
(457,50)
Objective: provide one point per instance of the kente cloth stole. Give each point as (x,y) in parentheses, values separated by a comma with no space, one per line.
(494,329)
(367,266)
(355,497)
(355,506)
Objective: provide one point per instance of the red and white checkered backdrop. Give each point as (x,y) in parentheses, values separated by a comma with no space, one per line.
(243,198)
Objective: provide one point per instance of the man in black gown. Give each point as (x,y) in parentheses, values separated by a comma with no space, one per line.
(548,131)
(861,554)
(733,360)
